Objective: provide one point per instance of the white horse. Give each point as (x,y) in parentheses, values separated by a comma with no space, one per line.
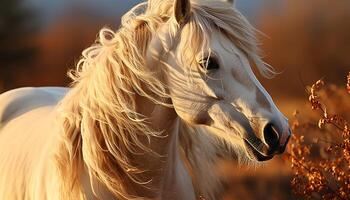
(152,107)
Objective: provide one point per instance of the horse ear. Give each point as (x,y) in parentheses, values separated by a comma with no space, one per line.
(230,1)
(182,9)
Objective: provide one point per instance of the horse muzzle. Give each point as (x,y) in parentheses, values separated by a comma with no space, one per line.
(275,142)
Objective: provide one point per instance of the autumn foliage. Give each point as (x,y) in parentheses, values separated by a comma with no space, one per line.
(320,152)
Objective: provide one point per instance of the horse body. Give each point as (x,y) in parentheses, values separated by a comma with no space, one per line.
(151,108)
(29,139)
(27,142)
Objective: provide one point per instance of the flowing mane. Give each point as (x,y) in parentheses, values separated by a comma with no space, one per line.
(100,125)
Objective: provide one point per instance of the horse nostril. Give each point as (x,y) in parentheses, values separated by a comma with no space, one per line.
(271,137)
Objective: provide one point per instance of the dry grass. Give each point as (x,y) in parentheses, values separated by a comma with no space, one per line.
(320,152)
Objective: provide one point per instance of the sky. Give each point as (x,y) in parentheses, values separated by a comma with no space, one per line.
(49,10)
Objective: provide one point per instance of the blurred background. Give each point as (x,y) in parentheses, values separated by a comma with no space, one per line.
(305,40)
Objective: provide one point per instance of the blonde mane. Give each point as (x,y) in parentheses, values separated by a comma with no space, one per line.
(100,124)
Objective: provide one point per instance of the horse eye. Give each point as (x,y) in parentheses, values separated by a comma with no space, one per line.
(209,64)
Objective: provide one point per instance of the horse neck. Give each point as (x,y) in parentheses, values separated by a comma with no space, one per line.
(167,171)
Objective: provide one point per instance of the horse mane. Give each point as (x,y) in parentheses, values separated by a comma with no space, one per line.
(99,122)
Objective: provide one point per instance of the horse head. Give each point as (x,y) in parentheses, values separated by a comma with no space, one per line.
(207,56)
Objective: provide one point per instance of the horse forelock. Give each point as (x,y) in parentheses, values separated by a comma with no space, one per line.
(100,124)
